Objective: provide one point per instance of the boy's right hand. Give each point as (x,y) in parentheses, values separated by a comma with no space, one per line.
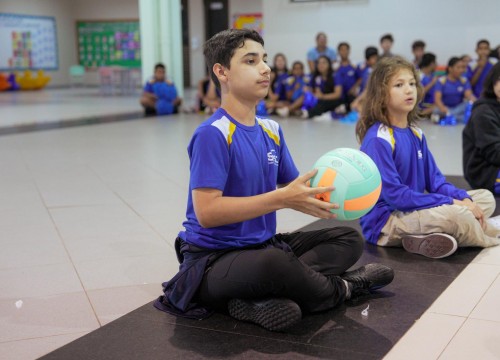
(298,195)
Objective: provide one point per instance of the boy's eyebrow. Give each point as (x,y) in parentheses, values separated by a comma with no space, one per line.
(254,54)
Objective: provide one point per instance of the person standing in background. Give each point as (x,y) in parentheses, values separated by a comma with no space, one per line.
(321,48)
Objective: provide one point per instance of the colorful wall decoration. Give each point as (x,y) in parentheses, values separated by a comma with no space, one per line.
(28,42)
(108,43)
(249,21)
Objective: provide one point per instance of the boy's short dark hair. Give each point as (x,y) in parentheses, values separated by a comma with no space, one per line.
(482,41)
(387,37)
(418,44)
(489,82)
(343,44)
(221,47)
(370,51)
(159,66)
(427,59)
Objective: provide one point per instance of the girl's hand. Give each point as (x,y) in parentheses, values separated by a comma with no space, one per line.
(474,208)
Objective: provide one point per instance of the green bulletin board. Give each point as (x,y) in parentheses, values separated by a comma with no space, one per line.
(108,43)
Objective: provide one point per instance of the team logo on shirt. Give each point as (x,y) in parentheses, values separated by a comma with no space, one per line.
(272,158)
(460,89)
(420,156)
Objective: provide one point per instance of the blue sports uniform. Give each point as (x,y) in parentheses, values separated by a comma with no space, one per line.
(296,84)
(452,91)
(279,86)
(165,92)
(429,95)
(411,179)
(363,72)
(217,150)
(471,71)
(346,76)
(313,54)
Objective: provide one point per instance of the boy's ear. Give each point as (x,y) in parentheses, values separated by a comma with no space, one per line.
(220,72)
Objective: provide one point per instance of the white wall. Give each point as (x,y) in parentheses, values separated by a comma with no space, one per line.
(197,38)
(449,27)
(62,10)
(197,30)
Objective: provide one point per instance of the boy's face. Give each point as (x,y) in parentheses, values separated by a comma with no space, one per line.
(386,45)
(159,74)
(372,60)
(249,75)
(418,52)
(297,70)
(344,52)
(483,50)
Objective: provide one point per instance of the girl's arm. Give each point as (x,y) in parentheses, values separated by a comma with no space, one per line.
(468,95)
(336,94)
(438,96)
(395,193)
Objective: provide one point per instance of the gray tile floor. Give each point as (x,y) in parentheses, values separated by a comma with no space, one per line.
(88,215)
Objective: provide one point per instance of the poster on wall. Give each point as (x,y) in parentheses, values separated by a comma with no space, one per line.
(248,21)
(28,42)
(109,43)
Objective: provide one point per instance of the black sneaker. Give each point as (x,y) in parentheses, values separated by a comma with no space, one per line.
(271,314)
(367,278)
(434,246)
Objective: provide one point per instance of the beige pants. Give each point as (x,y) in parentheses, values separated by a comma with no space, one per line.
(455,220)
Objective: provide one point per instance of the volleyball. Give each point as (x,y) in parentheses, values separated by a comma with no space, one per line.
(356,179)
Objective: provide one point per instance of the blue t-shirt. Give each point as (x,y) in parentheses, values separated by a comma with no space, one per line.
(429,95)
(240,161)
(313,54)
(320,83)
(452,91)
(411,179)
(164,90)
(471,70)
(296,84)
(346,76)
(363,72)
(279,86)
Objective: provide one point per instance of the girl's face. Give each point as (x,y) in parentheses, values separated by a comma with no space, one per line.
(402,94)
(458,69)
(323,65)
(280,63)
(297,70)
(496,89)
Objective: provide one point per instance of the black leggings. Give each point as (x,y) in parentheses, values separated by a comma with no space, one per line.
(323,106)
(308,275)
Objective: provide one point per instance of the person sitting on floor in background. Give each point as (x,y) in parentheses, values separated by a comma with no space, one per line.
(346,75)
(481,137)
(295,86)
(160,94)
(477,70)
(417,209)
(241,173)
(277,90)
(428,80)
(453,91)
(208,96)
(321,48)
(327,93)
(363,73)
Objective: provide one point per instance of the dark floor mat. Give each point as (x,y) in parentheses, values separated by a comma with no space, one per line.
(346,332)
